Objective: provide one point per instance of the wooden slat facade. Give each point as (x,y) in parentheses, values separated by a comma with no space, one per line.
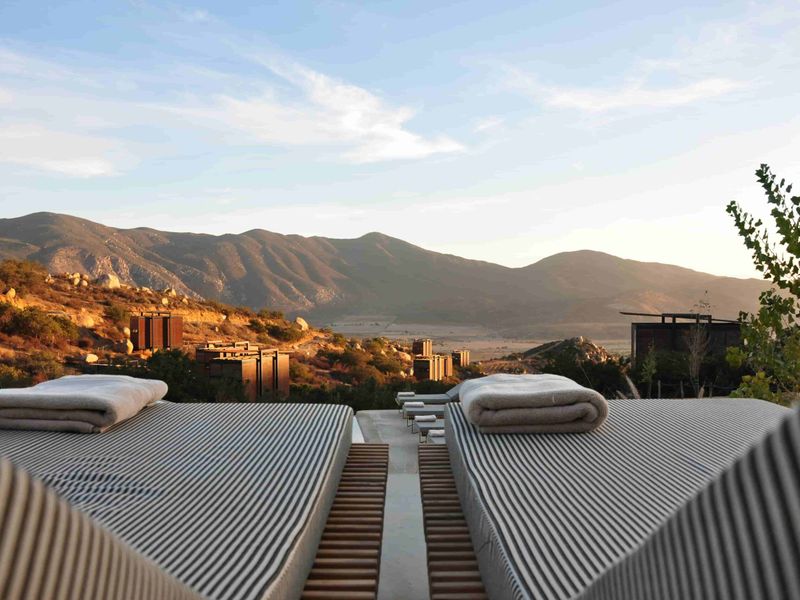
(452,567)
(348,560)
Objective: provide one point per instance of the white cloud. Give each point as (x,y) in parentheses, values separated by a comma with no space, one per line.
(635,95)
(324,111)
(487,124)
(195,16)
(55,152)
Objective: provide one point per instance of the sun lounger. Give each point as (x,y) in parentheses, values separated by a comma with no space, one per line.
(410,413)
(450,395)
(41,538)
(218,496)
(549,514)
(424,428)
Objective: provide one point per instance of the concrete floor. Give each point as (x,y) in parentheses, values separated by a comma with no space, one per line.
(404,571)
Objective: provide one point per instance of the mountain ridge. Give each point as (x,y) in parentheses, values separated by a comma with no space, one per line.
(569,293)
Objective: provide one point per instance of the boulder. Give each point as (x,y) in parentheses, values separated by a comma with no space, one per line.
(91,358)
(184,300)
(302,323)
(76,281)
(86,321)
(84,283)
(126,331)
(404,356)
(11,293)
(128,346)
(109,281)
(146,290)
(165,301)
(48,279)
(84,276)
(171,292)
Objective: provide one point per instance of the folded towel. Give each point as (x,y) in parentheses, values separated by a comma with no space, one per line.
(531,404)
(436,433)
(425,418)
(78,403)
(406,393)
(413,405)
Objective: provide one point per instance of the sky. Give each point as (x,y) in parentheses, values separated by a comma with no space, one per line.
(498,131)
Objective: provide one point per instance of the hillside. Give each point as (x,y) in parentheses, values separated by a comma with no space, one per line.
(568,294)
(54,325)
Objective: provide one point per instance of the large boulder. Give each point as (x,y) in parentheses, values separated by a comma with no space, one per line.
(128,347)
(109,281)
(165,301)
(302,323)
(91,358)
(11,293)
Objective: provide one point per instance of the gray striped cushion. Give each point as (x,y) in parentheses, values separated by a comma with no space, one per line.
(219,495)
(50,550)
(549,513)
(738,539)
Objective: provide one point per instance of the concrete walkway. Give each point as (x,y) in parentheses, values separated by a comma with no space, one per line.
(404,571)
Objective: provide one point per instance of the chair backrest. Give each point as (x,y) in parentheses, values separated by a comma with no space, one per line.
(48,549)
(738,538)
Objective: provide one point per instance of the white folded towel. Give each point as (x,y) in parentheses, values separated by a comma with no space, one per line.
(78,403)
(425,418)
(531,404)
(406,393)
(436,433)
(414,405)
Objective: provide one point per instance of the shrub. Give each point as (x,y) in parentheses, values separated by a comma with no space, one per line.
(285,333)
(771,337)
(386,364)
(12,377)
(270,315)
(24,276)
(117,314)
(35,323)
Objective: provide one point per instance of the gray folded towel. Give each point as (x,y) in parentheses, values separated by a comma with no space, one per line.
(425,418)
(413,405)
(436,433)
(531,404)
(78,403)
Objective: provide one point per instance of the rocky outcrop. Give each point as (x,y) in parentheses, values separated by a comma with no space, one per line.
(109,281)
(302,323)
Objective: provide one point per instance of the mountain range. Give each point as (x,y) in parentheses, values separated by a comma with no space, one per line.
(570,293)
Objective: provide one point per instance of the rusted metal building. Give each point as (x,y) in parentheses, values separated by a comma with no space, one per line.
(673,330)
(422,347)
(156,331)
(447,365)
(460,358)
(435,367)
(268,374)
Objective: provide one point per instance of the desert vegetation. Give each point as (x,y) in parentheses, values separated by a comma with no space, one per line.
(771,336)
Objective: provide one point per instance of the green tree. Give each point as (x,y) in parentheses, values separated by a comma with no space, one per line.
(771,337)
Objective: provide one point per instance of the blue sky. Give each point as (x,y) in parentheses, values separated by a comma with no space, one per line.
(499,131)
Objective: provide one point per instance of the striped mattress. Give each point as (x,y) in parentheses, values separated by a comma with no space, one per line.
(548,514)
(230,499)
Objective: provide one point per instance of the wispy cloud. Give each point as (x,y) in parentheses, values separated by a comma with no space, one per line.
(323,111)
(639,96)
(631,95)
(58,152)
(197,15)
(488,124)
